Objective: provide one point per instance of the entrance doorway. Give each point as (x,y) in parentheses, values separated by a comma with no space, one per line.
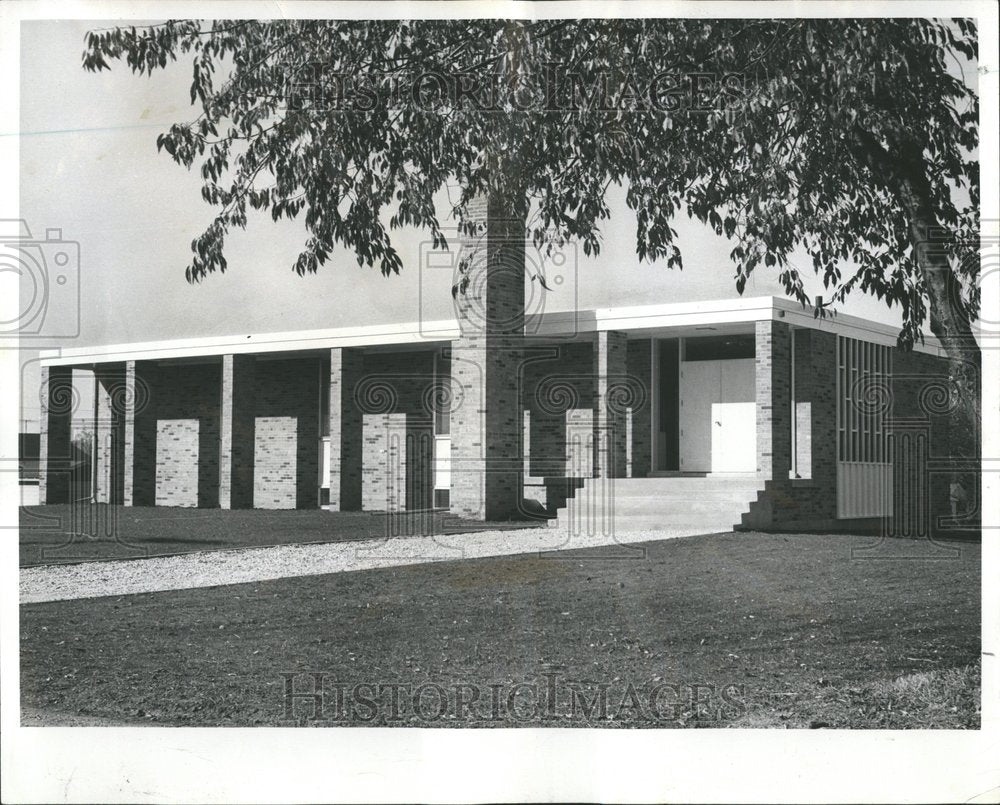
(706,413)
(718,420)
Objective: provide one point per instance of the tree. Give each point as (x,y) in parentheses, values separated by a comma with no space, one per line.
(856,139)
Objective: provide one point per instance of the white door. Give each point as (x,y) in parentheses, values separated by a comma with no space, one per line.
(699,391)
(718,416)
(734,418)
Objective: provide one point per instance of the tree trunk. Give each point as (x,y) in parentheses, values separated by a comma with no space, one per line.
(950,323)
(949,320)
(906,173)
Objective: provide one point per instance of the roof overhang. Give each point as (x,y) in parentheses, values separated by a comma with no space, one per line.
(638,321)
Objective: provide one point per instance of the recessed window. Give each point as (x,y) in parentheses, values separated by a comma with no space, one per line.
(719,347)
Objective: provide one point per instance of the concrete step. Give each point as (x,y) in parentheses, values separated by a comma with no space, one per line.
(706,525)
(632,491)
(736,480)
(727,497)
(638,505)
(703,504)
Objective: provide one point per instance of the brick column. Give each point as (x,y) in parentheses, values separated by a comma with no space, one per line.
(109,432)
(486,454)
(346,433)
(57,405)
(773,384)
(236,449)
(103,436)
(611,394)
(129,453)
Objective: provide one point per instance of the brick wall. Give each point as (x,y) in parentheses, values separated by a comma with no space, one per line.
(272,449)
(287,433)
(144,433)
(177,460)
(559,399)
(812,499)
(920,424)
(919,429)
(816,401)
(579,443)
(396,396)
(772,377)
(487,458)
(237,442)
(398,462)
(345,430)
(57,405)
(613,393)
(639,368)
(276,445)
(174,392)
(109,432)
(558,394)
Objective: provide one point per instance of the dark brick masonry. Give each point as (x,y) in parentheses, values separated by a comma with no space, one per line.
(175,435)
(917,418)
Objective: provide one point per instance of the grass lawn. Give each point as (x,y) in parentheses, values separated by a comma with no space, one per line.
(59,534)
(734,630)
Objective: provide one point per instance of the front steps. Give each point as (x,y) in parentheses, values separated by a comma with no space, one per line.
(676,504)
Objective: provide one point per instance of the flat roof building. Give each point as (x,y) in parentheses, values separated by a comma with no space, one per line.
(748,411)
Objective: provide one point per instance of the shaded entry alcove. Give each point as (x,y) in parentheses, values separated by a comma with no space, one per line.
(706,404)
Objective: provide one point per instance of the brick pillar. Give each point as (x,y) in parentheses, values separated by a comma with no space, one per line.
(129,453)
(57,405)
(109,432)
(103,437)
(346,432)
(486,454)
(236,449)
(611,395)
(773,383)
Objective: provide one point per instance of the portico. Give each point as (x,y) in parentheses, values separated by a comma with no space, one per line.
(424,415)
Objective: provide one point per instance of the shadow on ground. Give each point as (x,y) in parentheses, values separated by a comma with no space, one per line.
(59,534)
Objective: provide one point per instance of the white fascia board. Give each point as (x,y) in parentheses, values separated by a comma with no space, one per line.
(685,314)
(372,335)
(849,326)
(749,309)
(556,323)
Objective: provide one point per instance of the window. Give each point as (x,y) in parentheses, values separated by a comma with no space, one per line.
(863,371)
(719,347)
(442,392)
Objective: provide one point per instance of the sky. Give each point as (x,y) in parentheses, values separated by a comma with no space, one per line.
(89,166)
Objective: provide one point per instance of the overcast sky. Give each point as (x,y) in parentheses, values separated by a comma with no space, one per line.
(89,166)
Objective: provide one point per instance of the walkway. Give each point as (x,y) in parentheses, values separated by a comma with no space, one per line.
(216,568)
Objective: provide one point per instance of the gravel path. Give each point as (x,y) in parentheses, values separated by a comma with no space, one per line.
(215,568)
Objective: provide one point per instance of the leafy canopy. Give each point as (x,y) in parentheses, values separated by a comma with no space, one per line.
(776,133)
